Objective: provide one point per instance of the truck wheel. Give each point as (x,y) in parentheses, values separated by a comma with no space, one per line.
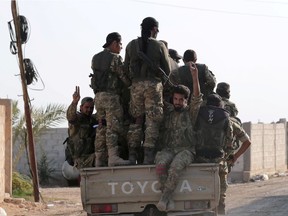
(151,210)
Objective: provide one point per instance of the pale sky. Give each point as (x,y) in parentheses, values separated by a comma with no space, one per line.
(244,43)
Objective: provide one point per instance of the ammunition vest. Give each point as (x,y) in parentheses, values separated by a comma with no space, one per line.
(212,125)
(103,79)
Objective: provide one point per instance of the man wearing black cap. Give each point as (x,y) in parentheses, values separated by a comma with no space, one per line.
(107,81)
(80,144)
(174,55)
(146,90)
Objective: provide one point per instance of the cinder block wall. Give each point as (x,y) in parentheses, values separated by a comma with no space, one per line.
(2,151)
(267,153)
(50,142)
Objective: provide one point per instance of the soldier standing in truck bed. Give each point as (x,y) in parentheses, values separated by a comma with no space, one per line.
(207,79)
(146,103)
(107,82)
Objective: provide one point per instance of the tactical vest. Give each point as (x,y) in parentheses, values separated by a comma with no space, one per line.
(212,125)
(139,69)
(103,79)
(185,77)
(82,136)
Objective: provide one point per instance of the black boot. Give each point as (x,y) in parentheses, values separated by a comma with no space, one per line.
(149,156)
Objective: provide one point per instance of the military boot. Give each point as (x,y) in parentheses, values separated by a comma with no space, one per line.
(164,201)
(114,159)
(99,159)
(149,156)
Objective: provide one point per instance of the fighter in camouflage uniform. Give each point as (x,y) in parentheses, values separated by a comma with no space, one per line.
(207,79)
(223,89)
(107,82)
(80,144)
(177,139)
(215,133)
(146,90)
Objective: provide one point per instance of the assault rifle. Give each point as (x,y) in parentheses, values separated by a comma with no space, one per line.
(163,75)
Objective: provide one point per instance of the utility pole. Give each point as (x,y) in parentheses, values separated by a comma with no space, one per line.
(31,145)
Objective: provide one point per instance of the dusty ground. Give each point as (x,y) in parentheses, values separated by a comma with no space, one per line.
(261,198)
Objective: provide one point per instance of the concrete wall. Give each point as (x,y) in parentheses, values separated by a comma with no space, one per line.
(5,147)
(267,153)
(50,142)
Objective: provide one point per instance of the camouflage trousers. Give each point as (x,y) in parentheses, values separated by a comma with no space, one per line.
(146,100)
(84,161)
(170,165)
(108,107)
(223,172)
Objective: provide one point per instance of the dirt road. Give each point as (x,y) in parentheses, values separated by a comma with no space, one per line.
(263,198)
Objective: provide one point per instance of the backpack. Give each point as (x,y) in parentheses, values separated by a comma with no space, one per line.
(211,126)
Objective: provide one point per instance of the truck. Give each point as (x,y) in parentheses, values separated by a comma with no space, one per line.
(134,191)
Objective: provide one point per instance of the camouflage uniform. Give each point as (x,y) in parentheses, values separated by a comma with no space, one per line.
(210,154)
(230,107)
(183,76)
(146,91)
(81,137)
(108,83)
(178,144)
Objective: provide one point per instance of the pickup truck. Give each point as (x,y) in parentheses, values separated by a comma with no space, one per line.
(134,191)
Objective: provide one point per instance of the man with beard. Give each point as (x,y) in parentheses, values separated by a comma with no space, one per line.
(177,139)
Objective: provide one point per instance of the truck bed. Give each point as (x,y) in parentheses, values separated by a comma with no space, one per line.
(129,190)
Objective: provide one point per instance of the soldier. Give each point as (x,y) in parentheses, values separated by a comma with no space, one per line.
(147,89)
(223,89)
(215,132)
(174,55)
(207,79)
(107,82)
(176,137)
(81,131)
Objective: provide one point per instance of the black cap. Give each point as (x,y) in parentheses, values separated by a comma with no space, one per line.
(149,23)
(174,54)
(114,36)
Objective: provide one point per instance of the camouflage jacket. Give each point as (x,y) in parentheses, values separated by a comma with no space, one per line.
(138,69)
(176,131)
(183,76)
(81,132)
(230,107)
(108,74)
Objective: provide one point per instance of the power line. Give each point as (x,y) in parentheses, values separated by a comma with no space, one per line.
(211,10)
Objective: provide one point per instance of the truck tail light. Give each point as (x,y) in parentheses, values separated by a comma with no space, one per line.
(104,208)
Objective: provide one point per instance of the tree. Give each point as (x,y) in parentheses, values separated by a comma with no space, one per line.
(42,118)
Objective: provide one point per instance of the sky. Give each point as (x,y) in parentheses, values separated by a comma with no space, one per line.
(243,42)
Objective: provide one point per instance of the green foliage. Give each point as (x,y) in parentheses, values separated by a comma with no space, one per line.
(21,185)
(44,169)
(42,118)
